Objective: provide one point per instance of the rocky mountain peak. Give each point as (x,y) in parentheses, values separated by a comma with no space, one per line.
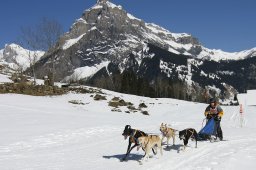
(11,51)
(106,20)
(106,41)
(101,1)
(16,57)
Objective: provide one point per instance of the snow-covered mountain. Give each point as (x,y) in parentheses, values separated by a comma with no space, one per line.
(218,55)
(107,45)
(183,43)
(178,43)
(1,54)
(15,57)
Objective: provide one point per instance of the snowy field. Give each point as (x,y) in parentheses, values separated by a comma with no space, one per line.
(49,133)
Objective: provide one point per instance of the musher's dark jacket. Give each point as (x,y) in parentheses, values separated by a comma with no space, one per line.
(216,111)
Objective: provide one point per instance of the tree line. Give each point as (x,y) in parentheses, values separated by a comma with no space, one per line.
(130,83)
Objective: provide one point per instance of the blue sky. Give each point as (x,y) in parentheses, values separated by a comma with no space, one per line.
(229,25)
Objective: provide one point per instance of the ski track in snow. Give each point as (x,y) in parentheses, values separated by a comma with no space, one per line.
(55,139)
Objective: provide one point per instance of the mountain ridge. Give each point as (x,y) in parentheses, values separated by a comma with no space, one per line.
(110,48)
(115,48)
(14,57)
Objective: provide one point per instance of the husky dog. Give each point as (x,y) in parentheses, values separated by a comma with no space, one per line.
(150,142)
(133,138)
(187,134)
(167,133)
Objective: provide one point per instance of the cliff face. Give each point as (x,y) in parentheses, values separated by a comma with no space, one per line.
(107,32)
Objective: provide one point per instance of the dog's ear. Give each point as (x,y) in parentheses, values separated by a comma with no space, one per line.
(127,127)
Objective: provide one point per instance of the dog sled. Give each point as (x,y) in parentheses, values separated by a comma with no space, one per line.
(209,131)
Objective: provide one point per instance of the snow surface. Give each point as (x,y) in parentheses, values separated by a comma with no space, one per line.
(4,79)
(48,133)
(180,35)
(251,94)
(132,17)
(111,5)
(247,98)
(85,72)
(173,51)
(81,20)
(71,42)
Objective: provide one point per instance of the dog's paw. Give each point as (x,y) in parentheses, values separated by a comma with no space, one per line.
(181,149)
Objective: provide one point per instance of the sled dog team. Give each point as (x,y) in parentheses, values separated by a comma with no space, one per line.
(153,142)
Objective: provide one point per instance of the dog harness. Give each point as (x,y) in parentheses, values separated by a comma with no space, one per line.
(151,136)
(133,139)
(165,132)
(192,132)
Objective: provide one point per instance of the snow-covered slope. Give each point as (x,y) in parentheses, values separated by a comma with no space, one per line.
(217,55)
(4,79)
(1,54)
(85,72)
(46,133)
(16,57)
